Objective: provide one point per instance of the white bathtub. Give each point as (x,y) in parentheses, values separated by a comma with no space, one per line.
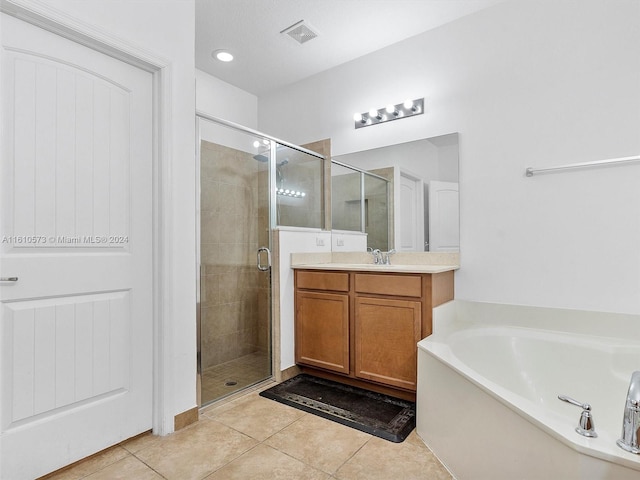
(488,382)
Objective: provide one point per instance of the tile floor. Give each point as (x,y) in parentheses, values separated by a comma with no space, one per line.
(244,371)
(248,437)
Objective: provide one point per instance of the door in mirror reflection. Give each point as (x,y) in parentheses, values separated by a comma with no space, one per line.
(444,223)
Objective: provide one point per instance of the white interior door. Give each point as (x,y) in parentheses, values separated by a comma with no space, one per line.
(76,231)
(444,217)
(410,214)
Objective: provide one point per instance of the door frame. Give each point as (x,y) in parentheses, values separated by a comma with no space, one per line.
(52,20)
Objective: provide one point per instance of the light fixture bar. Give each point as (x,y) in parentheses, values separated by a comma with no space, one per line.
(408,108)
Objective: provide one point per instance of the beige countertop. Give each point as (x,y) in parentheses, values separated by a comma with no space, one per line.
(370,267)
(407,262)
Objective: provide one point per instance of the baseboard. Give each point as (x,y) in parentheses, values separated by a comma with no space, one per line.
(288,373)
(185,419)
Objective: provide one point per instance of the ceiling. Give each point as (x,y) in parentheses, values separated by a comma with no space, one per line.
(267,60)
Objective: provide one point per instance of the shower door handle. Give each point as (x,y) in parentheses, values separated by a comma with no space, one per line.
(261,267)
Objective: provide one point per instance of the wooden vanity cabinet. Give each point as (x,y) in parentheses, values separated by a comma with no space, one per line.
(362,328)
(322,320)
(386,334)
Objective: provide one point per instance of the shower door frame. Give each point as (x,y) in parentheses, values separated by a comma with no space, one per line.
(275,258)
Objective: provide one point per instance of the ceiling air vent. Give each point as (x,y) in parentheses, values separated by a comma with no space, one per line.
(301,32)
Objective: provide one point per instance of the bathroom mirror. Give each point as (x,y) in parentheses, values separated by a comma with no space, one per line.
(422,213)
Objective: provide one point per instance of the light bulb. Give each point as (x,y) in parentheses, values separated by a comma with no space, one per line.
(302,194)
(408,104)
(265,141)
(256,144)
(390,108)
(373,113)
(357,117)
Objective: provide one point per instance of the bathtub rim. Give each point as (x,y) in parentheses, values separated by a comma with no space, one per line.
(446,323)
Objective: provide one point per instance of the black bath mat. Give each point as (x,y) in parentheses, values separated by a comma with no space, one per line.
(380,415)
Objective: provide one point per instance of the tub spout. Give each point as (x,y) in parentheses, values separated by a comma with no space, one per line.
(630,440)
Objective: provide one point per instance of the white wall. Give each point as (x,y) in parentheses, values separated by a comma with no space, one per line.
(419,157)
(223,100)
(166,29)
(220,99)
(294,241)
(525,83)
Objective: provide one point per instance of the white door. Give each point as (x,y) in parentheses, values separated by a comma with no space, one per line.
(444,217)
(76,231)
(411,214)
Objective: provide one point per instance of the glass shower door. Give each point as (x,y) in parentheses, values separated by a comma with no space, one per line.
(234,324)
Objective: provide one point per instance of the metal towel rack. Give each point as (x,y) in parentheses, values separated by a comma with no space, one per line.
(530,172)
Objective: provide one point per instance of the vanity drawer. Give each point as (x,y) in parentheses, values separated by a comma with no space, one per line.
(389,284)
(335,281)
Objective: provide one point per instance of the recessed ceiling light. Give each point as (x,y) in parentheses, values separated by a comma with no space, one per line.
(222,55)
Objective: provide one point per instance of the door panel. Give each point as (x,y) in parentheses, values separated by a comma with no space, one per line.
(63,116)
(386,334)
(63,351)
(322,330)
(76,210)
(411,214)
(444,218)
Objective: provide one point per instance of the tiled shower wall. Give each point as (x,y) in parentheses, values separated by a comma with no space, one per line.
(234,223)
(302,172)
(346,203)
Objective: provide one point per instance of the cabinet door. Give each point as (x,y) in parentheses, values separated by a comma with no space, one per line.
(322,330)
(386,335)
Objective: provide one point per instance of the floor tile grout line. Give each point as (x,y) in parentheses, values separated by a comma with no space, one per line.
(233,460)
(295,458)
(149,466)
(306,414)
(354,454)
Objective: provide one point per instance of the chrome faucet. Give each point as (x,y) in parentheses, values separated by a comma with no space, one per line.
(630,440)
(377,256)
(386,260)
(586,426)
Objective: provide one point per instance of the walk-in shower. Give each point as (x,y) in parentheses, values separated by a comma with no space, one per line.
(241,173)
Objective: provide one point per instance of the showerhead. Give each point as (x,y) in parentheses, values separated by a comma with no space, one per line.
(261,158)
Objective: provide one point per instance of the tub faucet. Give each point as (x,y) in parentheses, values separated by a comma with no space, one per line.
(585,427)
(630,440)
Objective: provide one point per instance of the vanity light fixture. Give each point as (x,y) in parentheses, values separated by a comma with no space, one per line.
(409,108)
(376,114)
(392,110)
(360,118)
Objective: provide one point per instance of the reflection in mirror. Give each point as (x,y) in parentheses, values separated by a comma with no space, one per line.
(423,200)
(298,180)
(346,201)
(360,203)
